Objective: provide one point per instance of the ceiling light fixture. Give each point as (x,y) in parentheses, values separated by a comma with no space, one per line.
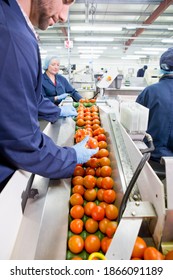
(170,40)
(154,49)
(96,48)
(90,51)
(146,52)
(83,56)
(101,28)
(92,39)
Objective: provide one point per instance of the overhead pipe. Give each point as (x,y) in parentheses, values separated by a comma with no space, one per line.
(160,9)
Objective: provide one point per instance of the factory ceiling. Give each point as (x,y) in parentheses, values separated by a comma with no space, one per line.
(112,28)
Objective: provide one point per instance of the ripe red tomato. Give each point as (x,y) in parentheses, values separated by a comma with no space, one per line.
(79,171)
(139,248)
(107,183)
(92,143)
(103,224)
(90,171)
(99,182)
(152,253)
(169,255)
(111,228)
(102,153)
(99,130)
(92,243)
(103,204)
(77,180)
(102,144)
(96,121)
(77,211)
(76,244)
(109,196)
(111,212)
(100,193)
(104,161)
(80,122)
(93,162)
(89,181)
(105,171)
(88,207)
(105,243)
(90,194)
(98,213)
(101,137)
(76,226)
(94,108)
(95,126)
(78,189)
(91,225)
(76,199)
(97,172)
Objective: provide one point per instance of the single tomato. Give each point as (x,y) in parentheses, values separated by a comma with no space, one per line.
(169,255)
(111,212)
(103,153)
(97,213)
(77,211)
(76,244)
(111,228)
(100,194)
(109,196)
(139,248)
(92,243)
(105,171)
(152,253)
(91,225)
(101,137)
(76,226)
(76,199)
(92,143)
(107,183)
(79,171)
(78,189)
(88,207)
(90,171)
(105,243)
(90,194)
(89,181)
(103,224)
(77,180)
(102,145)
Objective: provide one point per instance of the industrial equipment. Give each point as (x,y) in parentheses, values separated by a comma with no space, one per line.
(39,230)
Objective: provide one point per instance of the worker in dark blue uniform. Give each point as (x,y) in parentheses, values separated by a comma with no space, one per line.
(141,71)
(22,144)
(55,86)
(158,98)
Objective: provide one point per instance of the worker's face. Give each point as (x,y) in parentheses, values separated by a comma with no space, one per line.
(53,67)
(45,13)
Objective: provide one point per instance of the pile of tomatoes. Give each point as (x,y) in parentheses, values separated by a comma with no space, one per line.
(92,216)
(92,213)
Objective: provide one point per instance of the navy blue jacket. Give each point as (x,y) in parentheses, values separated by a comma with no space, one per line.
(22,144)
(141,72)
(159,99)
(62,86)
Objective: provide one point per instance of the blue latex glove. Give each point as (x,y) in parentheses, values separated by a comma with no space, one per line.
(83,153)
(68,111)
(62,96)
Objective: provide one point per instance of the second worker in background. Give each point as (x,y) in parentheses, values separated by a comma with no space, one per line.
(55,86)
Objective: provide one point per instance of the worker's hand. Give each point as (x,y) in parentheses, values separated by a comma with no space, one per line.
(62,96)
(83,153)
(68,111)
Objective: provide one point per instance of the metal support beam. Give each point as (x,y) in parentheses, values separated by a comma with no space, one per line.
(160,9)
